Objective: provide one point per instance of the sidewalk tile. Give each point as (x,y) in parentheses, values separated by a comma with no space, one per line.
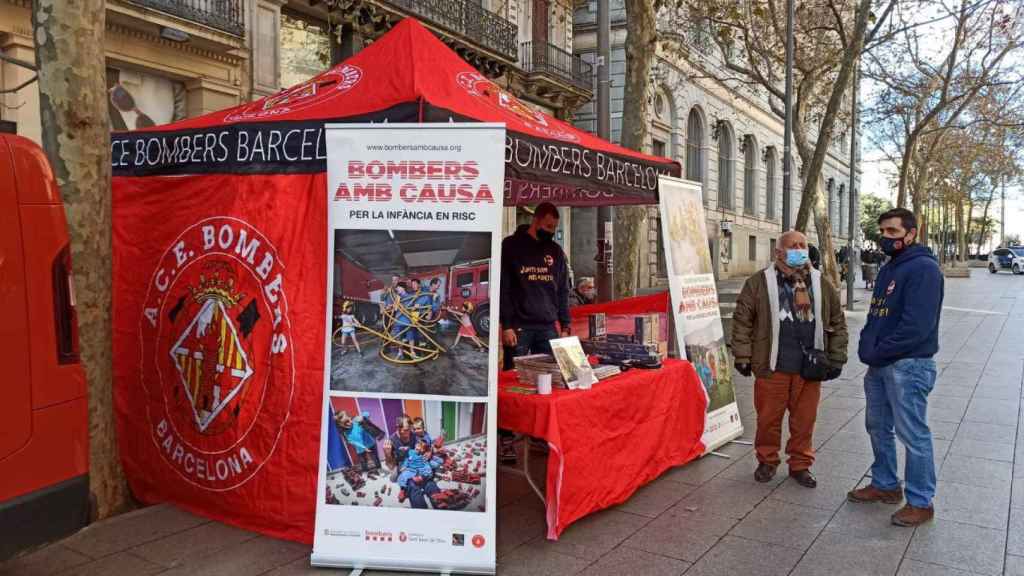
(1015,533)
(49,560)
(301,567)
(957,545)
(631,561)
(869,520)
(520,523)
(255,556)
(654,498)
(987,432)
(596,534)
(849,442)
(982,449)
(1014,566)
(682,535)
(192,543)
(997,391)
(915,568)
(993,411)
(829,495)
(842,464)
(739,556)
(698,471)
(969,470)
(842,403)
(129,530)
(783,523)
(536,559)
(838,554)
(726,497)
(120,563)
(971,504)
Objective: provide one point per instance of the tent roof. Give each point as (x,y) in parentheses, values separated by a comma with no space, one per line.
(409,75)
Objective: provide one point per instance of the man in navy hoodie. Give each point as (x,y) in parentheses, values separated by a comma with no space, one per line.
(898,343)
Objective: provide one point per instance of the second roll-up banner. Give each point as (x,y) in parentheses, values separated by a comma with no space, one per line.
(407,451)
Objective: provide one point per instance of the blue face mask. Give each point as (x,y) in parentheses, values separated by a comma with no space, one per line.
(797,257)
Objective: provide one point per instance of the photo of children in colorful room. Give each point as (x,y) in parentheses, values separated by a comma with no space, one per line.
(412,312)
(714,368)
(395,453)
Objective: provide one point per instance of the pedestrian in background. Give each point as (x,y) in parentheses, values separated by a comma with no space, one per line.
(788,319)
(898,344)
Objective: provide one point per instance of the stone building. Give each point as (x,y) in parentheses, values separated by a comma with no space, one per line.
(166,60)
(725,137)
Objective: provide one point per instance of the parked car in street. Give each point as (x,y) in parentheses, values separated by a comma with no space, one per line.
(1009,259)
(44,421)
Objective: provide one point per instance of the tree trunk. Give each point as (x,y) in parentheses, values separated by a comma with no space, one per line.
(824,131)
(908,156)
(641,46)
(76,128)
(824,228)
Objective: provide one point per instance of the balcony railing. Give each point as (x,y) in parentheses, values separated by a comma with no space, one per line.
(467,19)
(541,57)
(225,15)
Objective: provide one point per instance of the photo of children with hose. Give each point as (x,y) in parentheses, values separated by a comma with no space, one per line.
(411,312)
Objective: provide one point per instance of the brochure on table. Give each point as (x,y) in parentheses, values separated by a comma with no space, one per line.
(407,457)
(698,321)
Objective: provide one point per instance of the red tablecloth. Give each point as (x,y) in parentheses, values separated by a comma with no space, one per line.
(608,441)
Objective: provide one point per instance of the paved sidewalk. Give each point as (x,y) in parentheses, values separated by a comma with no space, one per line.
(710,517)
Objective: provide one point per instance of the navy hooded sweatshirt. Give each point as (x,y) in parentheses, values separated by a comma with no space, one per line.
(903,321)
(534,282)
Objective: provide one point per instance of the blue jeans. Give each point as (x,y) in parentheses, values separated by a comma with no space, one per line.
(897,400)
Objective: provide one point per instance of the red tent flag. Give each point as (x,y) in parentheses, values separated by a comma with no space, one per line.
(219,268)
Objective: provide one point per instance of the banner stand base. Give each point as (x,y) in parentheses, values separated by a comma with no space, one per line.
(721,455)
(742,442)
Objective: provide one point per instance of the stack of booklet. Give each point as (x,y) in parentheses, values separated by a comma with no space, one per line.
(529,367)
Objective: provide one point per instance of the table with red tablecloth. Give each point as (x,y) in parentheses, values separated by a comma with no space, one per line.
(606,442)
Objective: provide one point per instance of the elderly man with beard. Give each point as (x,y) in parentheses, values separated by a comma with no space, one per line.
(782,312)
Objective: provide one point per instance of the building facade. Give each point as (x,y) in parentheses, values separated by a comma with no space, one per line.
(166,60)
(725,137)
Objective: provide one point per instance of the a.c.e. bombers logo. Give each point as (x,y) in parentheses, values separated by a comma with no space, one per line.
(477,85)
(217,361)
(331,83)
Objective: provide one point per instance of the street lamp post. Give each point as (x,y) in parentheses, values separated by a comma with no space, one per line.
(851,254)
(604,213)
(787,154)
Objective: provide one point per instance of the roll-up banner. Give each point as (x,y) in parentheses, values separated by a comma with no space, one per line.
(698,320)
(407,452)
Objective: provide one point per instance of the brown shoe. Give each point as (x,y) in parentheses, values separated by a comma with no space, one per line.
(764,472)
(804,478)
(870,493)
(910,516)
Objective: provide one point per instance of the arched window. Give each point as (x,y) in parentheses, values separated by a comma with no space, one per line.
(726,162)
(769,183)
(694,150)
(749,172)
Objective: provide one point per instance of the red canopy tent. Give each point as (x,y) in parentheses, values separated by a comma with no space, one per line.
(219,251)
(406,76)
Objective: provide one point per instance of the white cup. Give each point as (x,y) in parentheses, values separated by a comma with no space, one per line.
(544,384)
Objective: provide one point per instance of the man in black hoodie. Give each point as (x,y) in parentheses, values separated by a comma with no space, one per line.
(534,286)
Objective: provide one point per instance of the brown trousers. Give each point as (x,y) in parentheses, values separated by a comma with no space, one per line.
(772,397)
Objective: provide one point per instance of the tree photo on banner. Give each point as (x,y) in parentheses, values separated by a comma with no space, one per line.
(410,385)
(695,308)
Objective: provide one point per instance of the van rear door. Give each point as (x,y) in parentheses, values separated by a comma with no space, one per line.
(16,384)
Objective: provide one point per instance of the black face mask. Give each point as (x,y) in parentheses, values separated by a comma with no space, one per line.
(893,246)
(545,236)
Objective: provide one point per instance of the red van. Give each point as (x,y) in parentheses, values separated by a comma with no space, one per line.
(44,421)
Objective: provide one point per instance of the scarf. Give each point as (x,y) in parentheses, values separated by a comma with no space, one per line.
(798,279)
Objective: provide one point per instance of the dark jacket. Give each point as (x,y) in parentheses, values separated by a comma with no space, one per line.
(534,282)
(903,321)
(753,326)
